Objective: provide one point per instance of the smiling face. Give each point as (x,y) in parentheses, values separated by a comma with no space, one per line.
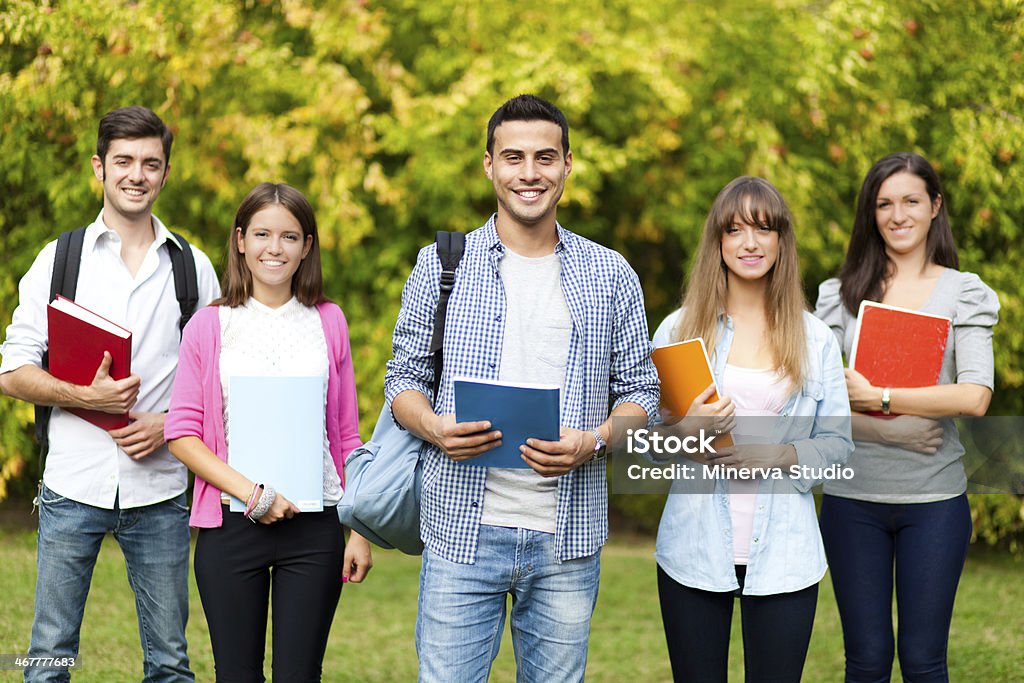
(904,213)
(749,251)
(133,173)
(274,246)
(528,170)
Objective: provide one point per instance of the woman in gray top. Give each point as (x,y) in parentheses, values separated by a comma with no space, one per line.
(904,516)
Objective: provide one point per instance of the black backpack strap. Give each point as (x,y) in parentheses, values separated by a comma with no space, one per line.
(66,261)
(63,281)
(186,282)
(450,247)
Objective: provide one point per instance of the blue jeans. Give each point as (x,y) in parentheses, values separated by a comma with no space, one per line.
(155,543)
(923,546)
(462,609)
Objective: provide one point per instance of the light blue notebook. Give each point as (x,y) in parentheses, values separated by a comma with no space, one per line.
(519,411)
(276,432)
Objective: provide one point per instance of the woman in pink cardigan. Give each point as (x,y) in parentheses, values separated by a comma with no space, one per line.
(273,320)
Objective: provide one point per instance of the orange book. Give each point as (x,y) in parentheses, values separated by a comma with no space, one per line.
(898,347)
(78,338)
(685,372)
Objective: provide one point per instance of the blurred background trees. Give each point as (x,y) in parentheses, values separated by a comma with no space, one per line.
(377,111)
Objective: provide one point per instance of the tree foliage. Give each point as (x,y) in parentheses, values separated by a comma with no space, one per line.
(377,110)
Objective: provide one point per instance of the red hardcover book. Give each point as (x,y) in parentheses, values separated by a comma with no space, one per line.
(78,338)
(898,347)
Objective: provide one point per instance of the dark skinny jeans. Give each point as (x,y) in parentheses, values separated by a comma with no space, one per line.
(923,547)
(776,631)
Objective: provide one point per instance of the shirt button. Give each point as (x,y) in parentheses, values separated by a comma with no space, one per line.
(755,540)
(498,317)
(475,504)
(492,365)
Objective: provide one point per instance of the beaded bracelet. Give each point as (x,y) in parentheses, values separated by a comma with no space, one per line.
(266,500)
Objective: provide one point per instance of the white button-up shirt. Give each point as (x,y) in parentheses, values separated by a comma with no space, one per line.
(84,463)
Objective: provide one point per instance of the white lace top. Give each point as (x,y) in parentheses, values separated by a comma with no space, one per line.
(276,342)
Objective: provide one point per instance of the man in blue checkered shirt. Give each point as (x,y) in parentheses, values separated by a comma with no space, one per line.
(532,303)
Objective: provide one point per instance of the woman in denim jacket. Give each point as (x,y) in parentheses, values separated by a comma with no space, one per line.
(780,374)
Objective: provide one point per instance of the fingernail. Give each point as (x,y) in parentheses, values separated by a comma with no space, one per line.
(344,579)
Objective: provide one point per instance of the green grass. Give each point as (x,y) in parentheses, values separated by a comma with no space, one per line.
(372,638)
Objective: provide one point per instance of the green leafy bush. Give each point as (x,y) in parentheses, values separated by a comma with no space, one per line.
(377,111)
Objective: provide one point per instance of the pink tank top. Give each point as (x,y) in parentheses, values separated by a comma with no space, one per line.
(755,392)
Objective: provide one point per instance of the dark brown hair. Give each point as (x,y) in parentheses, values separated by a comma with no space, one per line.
(867,266)
(528,108)
(132,123)
(308,280)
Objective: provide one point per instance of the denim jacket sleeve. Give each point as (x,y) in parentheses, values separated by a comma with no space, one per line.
(830,440)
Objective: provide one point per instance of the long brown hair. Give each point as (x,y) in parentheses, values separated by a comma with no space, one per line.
(308,280)
(867,265)
(755,201)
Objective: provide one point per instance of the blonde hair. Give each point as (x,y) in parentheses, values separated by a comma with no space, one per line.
(754,201)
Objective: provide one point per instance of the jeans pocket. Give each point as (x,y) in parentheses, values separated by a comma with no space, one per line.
(48,497)
(179,502)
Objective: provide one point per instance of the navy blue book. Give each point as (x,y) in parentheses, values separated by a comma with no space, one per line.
(519,411)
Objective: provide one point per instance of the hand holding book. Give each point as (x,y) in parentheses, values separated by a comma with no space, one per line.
(688,390)
(87,350)
(281,508)
(109,395)
(518,411)
(708,412)
(462,440)
(893,347)
(555,458)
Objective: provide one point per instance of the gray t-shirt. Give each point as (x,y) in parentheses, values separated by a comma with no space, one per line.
(889,474)
(535,349)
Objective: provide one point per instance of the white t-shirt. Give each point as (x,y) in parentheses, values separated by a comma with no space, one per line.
(535,349)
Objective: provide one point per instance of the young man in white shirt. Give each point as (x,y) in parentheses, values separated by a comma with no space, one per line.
(124,481)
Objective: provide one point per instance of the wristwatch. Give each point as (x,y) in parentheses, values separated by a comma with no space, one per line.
(886,400)
(600,445)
